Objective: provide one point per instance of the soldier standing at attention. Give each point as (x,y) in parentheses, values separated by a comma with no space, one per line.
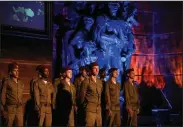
(131,96)
(57,81)
(91,89)
(77,83)
(102,75)
(44,94)
(34,79)
(66,100)
(30,115)
(112,96)
(12,97)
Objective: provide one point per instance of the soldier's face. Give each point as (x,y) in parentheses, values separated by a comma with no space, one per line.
(132,74)
(95,70)
(46,73)
(69,74)
(15,73)
(115,74)
(84,73)
(103,74)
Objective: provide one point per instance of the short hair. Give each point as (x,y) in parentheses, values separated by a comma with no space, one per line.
(82,68)
(128,71)
(12,66)
(102,70)
(42,68)
(112,69)
(38,67)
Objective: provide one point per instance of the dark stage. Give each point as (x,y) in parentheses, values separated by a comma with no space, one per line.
(143,35)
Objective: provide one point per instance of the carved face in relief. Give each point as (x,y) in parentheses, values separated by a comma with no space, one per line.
(113,8)
(88,21)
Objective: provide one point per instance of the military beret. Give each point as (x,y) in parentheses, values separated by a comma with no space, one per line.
(66,68)
(93,64)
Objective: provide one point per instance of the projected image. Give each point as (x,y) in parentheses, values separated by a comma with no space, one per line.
(23,14)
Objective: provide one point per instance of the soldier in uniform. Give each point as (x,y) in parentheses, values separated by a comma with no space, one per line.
(34,79)
(3,119)
(77,83)
(12,97)
(56,82)
(112,96)
(44,95)
(66,100)
(102,75)
(30,115)
(91,89)
(59,79)
(132,102)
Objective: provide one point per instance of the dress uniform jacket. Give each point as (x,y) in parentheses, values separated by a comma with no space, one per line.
(66,100)
(44,94)
(91,100)
(132,101)
(12,101)
(112,96)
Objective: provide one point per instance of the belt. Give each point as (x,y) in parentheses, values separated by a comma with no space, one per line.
(45,104)
(15,105)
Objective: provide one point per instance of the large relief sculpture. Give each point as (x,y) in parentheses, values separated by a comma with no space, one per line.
(103,33)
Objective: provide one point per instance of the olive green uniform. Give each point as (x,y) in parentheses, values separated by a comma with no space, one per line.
(44,94)
(132,101)
(80,112)
(112,96)
(12,101)
(91,100)
(66,100)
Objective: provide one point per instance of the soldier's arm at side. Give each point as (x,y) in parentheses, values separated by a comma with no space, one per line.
(74,95)
(3,95)
(127,96)
(53,97)
(36,95)
(107,97)
(83,89)
(23,99)
(55,84)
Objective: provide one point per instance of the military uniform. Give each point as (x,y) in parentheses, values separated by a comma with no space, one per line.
(66,100)
(132,101)
(44,94)
(32,86)
(91,100)
(103,103)
(12,101)
(80,112)
(30,115)
(112,95)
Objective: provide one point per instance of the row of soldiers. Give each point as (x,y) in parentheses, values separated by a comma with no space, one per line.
(89,101)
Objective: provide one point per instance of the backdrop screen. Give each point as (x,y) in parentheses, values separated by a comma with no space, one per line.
(23,14)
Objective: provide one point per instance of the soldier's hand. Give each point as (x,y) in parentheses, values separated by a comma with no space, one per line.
(109,112)
(4,113)
(75,109)
(130,112)
(138,111)
(39,113)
